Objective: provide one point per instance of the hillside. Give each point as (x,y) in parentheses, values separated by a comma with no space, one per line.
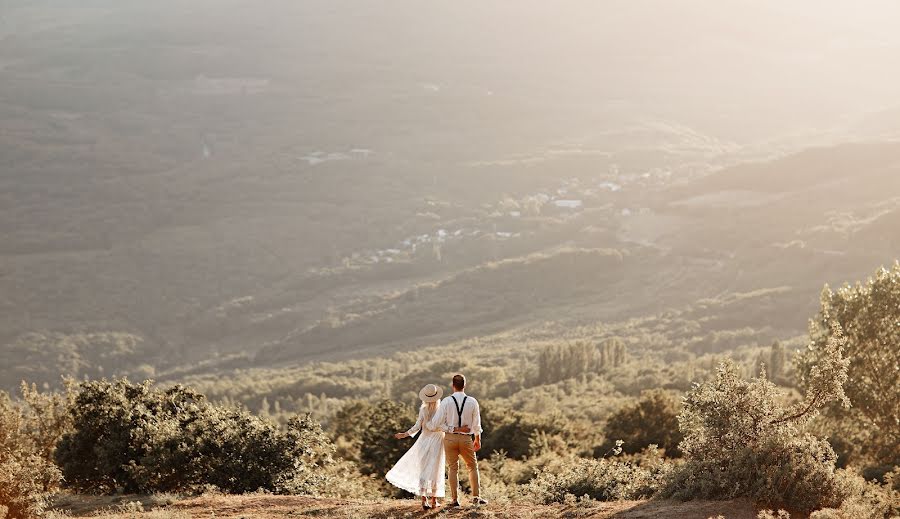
(293,192)
(156,170)
(458,271)
(820,215)
(253,507)
(489,298)
(851,166)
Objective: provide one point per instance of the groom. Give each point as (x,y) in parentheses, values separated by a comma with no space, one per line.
(460,418)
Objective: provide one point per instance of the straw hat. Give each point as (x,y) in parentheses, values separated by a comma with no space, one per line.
(431,393)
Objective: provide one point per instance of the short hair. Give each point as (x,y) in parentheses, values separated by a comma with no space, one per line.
(459,382)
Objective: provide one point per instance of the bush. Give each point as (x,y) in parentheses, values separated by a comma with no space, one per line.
(24,473)
(135,438)
(771,514)
(741,441)
(599,479)
(862,500)
(517,433)
(651,420)
(46,418)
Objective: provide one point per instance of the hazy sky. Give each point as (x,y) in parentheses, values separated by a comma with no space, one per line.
(748,68)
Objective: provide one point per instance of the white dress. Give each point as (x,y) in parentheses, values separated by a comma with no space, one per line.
(421,470)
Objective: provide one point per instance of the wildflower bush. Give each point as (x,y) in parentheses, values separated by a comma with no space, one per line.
(136,438)
(740,440)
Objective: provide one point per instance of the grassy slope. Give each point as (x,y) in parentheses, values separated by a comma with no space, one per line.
(257,506)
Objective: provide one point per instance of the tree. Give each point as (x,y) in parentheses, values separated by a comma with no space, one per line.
(378,448)
(406,387)
(517,433)
(650,420)
(777,365)
(869,315)
(612,353)
(740,440)
(559,362)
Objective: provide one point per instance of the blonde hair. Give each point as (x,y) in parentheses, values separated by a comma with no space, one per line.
(430,409)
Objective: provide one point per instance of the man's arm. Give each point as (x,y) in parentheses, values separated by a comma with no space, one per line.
(437,422)
(476,427)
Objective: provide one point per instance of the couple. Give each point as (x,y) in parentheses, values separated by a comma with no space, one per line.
(447,427)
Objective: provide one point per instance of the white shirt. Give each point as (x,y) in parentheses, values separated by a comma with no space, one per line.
(447,416)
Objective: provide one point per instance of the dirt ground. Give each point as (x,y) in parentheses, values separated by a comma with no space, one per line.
(265,506)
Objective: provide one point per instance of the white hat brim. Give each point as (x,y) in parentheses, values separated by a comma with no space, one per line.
(428,397)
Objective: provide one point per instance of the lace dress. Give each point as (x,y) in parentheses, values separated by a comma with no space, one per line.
(421,470)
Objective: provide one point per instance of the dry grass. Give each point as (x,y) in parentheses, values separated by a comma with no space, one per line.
(151,506)
(268,506)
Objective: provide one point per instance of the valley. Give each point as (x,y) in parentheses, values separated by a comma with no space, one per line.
(179,196)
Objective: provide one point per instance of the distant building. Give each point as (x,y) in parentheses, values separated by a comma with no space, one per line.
(568,204)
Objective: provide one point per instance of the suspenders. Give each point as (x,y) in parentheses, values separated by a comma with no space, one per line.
(459,408)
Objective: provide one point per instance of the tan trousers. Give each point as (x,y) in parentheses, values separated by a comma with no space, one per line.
(461,446)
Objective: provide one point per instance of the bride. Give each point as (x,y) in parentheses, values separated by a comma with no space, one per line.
(421,470)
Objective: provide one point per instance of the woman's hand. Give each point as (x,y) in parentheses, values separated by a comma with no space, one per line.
(400,436)
(464,429)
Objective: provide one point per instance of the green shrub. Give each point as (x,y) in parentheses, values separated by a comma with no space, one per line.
(862,500)
(499,469)
(135,438)
(599,479)
(650,420)
(520,434)
(741,441)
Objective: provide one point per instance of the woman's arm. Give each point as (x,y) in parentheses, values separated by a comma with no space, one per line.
(414,430)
